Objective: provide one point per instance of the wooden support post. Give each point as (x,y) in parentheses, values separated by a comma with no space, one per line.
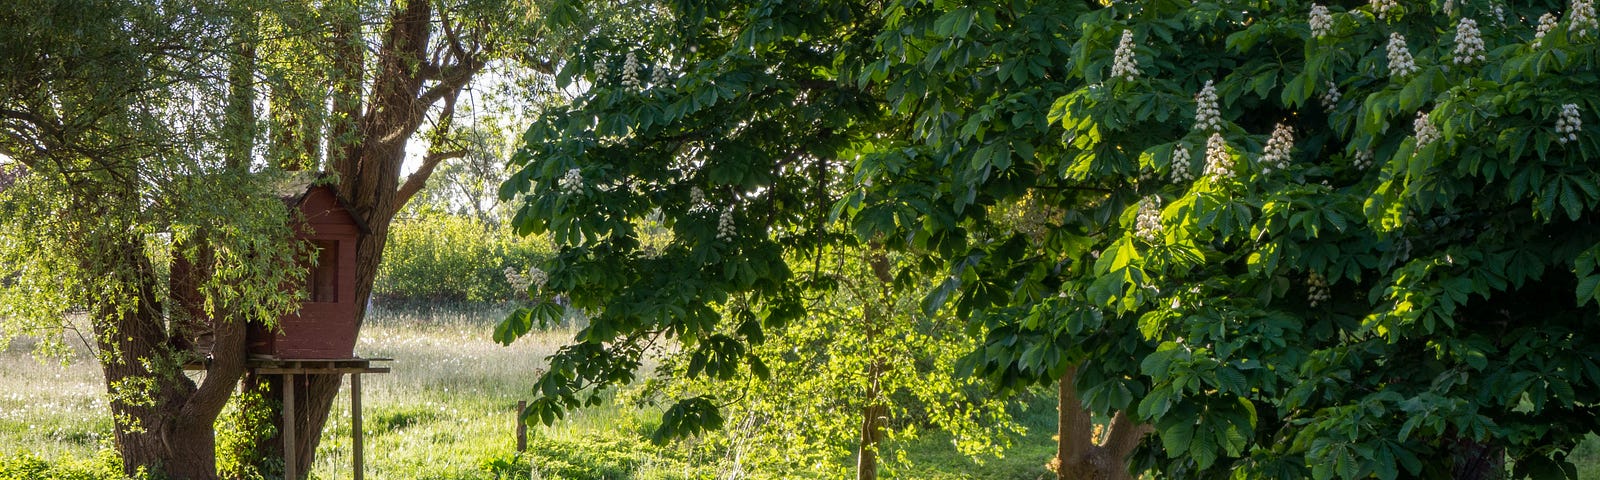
(522,427)
(289,460)
(355,424)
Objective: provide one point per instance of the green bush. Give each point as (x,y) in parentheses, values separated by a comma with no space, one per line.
(105,465)
(595,457)
(442,257)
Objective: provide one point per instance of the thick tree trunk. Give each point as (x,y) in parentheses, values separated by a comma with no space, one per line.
(366,154)
(163,421)
(1078,455)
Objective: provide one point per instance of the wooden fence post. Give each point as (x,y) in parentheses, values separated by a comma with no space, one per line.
(522,427)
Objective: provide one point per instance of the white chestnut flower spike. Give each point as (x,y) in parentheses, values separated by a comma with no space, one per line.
(1321,22)
(572,182)
(1317,291)
(1362,159)
(630,72)
(1547,23)
(1469,43)
(1276,155)
(1219,165)
(1147,226)
(1330,98)
(1581,19)
(1181,169)
(1568,124)
(1426,132)
(1400,61)
(1207,116)
(1124,66)
(725,231)
(1384,8)
(659,77)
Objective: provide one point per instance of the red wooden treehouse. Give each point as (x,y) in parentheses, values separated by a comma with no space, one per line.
(320,338)
(325,326)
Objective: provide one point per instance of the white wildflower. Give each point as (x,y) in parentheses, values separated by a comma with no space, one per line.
(1182,171)
(1400,62)
(572,182)
(1219,164)
(1321,22)
(1276,155)
(1581,19)
(630,72)
(725,231)
(1426,132)
(1547,23)
(1362,159)
(1330,98)
(1383,8)
(1147,225)
(1124,66)
(1207,116)
(1317,291)
(1568,124)
(1469,44)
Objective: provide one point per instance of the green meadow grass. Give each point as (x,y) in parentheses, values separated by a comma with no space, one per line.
(447,411)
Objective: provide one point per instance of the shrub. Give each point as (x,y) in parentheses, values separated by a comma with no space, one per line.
(105,465)
(593,457)
(442,257)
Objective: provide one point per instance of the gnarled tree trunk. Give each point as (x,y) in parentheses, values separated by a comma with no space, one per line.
(163,420)
(366,149)
(1078,455)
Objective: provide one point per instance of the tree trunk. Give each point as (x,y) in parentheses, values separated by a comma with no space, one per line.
(873,418)
(1078,455)
(163,421)
(366,154)
(875,415)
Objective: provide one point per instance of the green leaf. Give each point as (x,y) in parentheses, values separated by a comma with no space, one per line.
(1178,439)
(518,323)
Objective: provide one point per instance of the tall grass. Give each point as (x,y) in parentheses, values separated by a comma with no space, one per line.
(51,407)
(447,411)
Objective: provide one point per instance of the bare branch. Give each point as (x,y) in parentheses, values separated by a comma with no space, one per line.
(417,179)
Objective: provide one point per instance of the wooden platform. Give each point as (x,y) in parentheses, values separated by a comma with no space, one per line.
(308,366)
(291,369)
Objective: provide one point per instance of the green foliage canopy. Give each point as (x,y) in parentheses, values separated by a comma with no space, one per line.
(1406,269)
(1392,289)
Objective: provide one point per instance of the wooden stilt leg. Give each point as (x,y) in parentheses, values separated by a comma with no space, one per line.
(355,424)
(289,460)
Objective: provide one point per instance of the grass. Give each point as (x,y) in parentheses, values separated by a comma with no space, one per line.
(51,409)
(447,411)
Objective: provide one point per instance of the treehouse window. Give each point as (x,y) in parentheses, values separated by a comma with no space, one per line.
(324,286)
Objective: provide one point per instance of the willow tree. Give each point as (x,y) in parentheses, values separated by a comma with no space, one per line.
(350,85)
(137,123)
(118,165)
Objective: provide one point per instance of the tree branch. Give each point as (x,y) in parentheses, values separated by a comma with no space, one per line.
(417,179)
(1124,435)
